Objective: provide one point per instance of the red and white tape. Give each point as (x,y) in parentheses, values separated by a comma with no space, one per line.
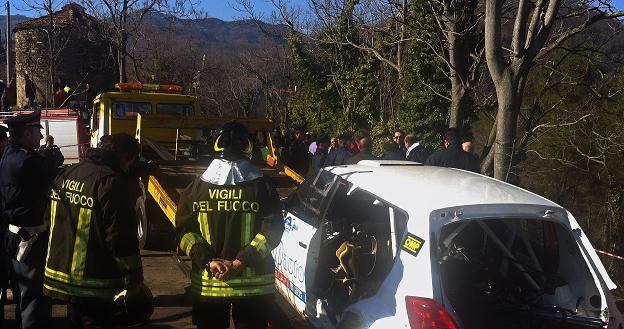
(609,254)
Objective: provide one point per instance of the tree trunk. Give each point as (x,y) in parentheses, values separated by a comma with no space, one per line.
(459,59)
(507,94)
(121,58)
(461,103)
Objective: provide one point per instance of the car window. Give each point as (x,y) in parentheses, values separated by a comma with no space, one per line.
(310,200)
(364,210)
(121,109)
(174,109)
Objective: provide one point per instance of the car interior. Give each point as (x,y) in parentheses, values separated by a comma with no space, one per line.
(357,249)
(516,274)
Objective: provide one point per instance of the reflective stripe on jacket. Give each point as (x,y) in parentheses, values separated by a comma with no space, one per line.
(93,245)
(240,221)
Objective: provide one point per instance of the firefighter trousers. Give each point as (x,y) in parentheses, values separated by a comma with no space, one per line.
(247,313)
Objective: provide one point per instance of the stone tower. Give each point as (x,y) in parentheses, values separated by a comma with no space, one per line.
(81,55)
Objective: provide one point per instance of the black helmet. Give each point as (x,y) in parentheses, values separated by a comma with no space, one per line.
(133,306)
(233,142)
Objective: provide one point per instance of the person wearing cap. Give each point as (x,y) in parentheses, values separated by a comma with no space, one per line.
(453,156)
(25,179)
(229,220)
(320,156)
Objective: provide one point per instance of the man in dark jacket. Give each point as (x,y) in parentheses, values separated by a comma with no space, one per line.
(229,220)
(415,152)
(297,156)
(52,152)
(94,249)
(453,156)
(339,155)
(365,144)
(391,151)
(25,179)
(320,156)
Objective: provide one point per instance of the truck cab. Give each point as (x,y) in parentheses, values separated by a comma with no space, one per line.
(116,112)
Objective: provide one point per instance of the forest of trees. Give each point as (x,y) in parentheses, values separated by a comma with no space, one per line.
(536,84)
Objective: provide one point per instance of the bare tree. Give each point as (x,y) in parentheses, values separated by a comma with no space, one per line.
(538,29)
(56,37)
(126,18)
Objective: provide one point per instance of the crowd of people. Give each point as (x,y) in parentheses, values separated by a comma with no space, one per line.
(306,155)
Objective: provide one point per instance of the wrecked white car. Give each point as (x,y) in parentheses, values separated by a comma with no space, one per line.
(393,244)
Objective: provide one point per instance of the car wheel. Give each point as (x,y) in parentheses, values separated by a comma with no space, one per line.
(143,229)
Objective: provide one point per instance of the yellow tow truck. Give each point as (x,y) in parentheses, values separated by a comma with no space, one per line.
(175,135)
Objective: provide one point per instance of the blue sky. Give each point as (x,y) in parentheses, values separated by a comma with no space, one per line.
(225,9)
(222,9)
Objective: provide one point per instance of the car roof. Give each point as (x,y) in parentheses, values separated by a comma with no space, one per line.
(416,188)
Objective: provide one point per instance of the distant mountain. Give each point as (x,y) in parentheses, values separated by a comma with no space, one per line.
(216,32)
(210,31)
(15,19)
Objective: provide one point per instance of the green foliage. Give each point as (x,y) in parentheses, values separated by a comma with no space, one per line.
(341,88)
(422,111)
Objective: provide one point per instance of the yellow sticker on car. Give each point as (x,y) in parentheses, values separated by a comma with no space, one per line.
(412,244)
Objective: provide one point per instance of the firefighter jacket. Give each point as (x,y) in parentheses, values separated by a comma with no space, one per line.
(24,185)
(239,221)
(93,246)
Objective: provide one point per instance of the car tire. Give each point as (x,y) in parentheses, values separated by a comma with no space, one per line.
(143,227)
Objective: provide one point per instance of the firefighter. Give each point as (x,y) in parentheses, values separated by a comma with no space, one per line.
(24,185)
(93,247)
(230,220)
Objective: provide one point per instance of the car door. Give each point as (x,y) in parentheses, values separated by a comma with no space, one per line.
(296,256)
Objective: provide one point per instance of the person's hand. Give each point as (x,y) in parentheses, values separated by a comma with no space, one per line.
(217,267)
(234,269)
